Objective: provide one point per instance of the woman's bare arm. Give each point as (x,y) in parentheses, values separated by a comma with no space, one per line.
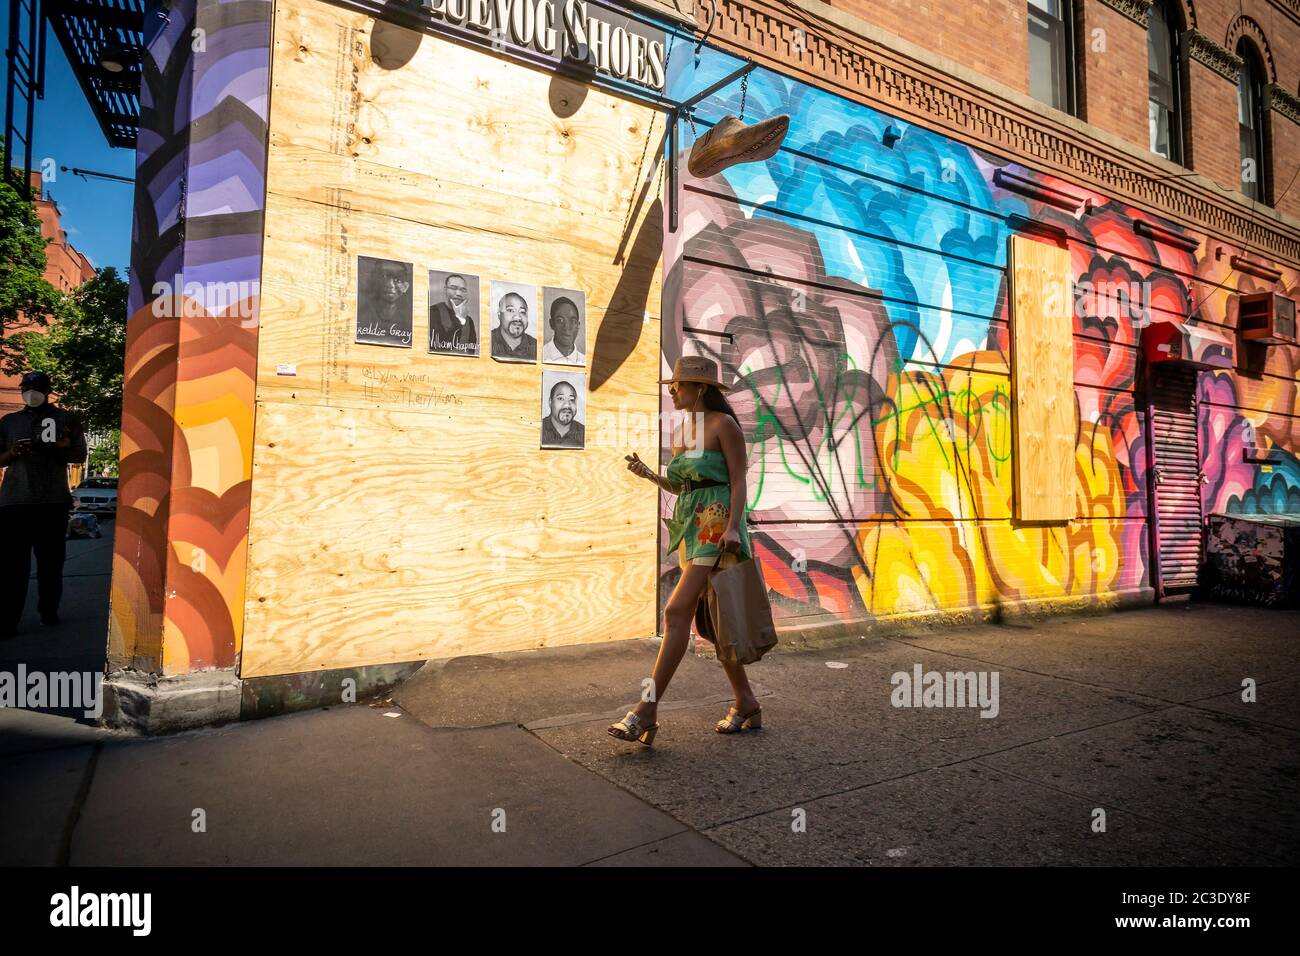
(663,482)
(732,440)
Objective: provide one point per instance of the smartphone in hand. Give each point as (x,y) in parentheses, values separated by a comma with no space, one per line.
(637,466)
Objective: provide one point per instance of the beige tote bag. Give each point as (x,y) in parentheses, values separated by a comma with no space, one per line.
(734,612)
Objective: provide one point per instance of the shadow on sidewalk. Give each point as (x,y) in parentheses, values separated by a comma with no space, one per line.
(78,643)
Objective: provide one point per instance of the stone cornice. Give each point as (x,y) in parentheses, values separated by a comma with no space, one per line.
(1282,101)
(1290,7)
(836,50)
(1135,10)
(1204,50)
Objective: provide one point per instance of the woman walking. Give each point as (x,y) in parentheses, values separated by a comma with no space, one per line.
(707,473)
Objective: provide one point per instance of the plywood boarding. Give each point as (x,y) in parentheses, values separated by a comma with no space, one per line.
(313,326)
(1042,362)
(402,508)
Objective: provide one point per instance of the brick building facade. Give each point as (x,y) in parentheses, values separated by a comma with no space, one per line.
(1111,57)
(65,269)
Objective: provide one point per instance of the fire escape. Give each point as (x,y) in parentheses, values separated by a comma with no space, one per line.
(103,41)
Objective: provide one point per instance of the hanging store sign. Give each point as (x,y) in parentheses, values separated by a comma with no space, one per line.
(575,30)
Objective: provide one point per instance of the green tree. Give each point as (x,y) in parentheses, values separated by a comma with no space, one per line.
(105,454)
(24,293)
(82,351)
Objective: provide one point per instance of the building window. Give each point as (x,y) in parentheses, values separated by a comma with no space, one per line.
(1164,72)
(1250,123)
(1051,53)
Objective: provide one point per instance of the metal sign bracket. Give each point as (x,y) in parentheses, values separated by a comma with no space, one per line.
(675,115)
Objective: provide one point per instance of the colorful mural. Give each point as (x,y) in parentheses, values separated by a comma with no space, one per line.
(856,286)
(858,291)
(187,420)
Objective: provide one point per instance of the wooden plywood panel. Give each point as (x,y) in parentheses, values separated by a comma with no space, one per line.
(402,507)
(1042,361)
(309,307)
(418,547)
(451,112)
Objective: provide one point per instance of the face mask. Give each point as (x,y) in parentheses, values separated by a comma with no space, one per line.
(33,398)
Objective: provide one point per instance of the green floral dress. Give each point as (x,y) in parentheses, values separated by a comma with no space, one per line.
(700,517)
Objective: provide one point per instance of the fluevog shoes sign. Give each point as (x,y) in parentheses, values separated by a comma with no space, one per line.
(609,42)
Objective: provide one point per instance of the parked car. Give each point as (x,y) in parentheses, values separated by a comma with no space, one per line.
(83,524)
(96,495)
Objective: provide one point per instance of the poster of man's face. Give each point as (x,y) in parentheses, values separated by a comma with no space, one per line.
(564,313)
(384,314)
(453,313)
(564,409)
(514,322)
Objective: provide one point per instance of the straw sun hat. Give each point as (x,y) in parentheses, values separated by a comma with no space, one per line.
(696,368)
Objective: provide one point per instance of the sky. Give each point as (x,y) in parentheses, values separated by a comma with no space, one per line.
(95,212)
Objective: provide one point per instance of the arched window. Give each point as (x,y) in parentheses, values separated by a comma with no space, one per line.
(1250,123)
(1164,82)
(1051,53)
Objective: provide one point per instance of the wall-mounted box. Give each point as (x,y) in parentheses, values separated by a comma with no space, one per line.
(1186,340)
(1267,318)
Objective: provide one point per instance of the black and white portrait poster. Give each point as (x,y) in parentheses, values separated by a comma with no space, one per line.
(564,409)
(564,314)
(453,313)
(514,321)
(384,307)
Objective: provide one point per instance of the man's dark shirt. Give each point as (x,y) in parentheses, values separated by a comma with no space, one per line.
(41,476)
(526,349)
(447,334)
(574,438)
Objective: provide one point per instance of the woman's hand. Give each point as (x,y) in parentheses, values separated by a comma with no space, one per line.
(730,540)
(638,467)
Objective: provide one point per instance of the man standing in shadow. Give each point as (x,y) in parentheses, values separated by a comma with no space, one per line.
(37,443)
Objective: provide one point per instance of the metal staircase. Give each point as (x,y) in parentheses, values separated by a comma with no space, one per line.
(25,82)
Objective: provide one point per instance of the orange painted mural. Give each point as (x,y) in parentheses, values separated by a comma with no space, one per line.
(187,418)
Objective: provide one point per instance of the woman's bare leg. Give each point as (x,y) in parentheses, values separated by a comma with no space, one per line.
(746,702)
(677,631)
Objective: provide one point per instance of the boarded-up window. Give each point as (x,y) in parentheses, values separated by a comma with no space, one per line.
(1042,369)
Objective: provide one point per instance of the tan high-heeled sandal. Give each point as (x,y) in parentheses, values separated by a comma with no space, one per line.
(630,727)
(734,722)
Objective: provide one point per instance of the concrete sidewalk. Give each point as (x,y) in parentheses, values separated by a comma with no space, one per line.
(347,786)
(1136,714)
